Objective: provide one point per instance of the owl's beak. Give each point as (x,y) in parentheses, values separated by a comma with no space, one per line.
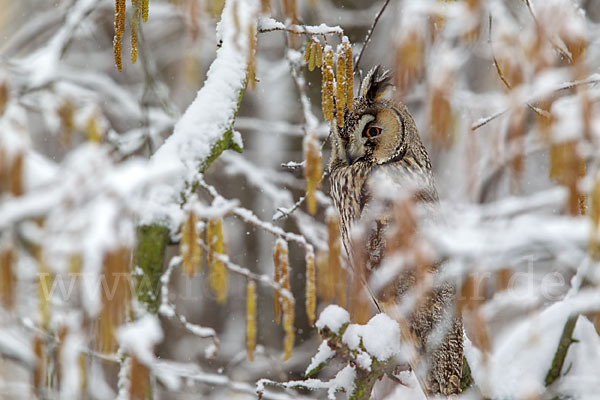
(351,157)
(353,152)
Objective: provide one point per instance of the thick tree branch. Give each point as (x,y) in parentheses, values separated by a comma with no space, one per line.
(200,136)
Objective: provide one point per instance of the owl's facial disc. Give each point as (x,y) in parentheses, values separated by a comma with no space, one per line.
(356,147)
(390,140)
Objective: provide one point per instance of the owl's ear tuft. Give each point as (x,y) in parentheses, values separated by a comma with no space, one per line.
(375,84)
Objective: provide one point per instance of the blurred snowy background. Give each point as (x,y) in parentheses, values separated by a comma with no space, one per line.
(505,94)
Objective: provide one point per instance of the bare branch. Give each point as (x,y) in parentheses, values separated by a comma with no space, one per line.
(541,28)
(369,34)
(591,80)
(271,25)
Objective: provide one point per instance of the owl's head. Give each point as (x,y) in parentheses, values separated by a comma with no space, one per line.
(377,131)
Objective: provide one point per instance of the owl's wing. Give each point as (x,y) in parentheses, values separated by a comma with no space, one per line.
(391,183)
(384,188)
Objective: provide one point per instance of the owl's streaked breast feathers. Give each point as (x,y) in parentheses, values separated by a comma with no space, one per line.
(377,160)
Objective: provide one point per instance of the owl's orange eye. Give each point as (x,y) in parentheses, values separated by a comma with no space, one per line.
(372,131)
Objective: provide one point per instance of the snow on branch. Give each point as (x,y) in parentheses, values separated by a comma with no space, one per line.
(206,128)
(251,218)
(167,309)
(172,373)
(264,279)
(43,64)
(540,92)
(270,25)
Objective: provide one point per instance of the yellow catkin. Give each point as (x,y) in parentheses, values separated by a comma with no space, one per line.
(439,20)
(595,204)
(17,186)
(441,116)
(341,287)
(4,183)
(94,133)
(250,320)
(594,212)
(190,249)
(472,34)
(145,10)
(8,279)
(236,18)
(41,362)
(139,380)
(290,10)
(288,327)
(251,76)
(281,261)
(135,24)
(117,49)
(349,73)
(119,30)
(311,288)
(4,96)
(44,289)
(567,167)
(216,7)
(284,304)
(276,295)
(82,362)
(325,282)
(312,55)
(327,86)
(333,241)
(410,59)
(218,279)
(122,15)
(318,54)
(307,51)
(284,280)
(340,86)
(265,6)
(75,263)
(335,267)
(66,115)
(313,171)
(61,335)
(116,296)
(503,277)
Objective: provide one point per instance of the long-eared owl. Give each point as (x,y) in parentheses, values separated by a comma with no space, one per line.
(376,157)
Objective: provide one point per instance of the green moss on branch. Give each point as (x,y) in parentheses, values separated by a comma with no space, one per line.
(149,257)
(365,381)
(561,352)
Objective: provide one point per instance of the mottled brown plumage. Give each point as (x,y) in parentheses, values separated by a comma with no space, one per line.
(378,158)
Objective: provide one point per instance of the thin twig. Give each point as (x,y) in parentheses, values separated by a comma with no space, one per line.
(293,165)
(541,29)
(299,29)
(170,369)
(537,110)
(310,122)
(167,308)
(591,80)
(369,34)
(283,213)
(249,217)
(498,70)
(259,278)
